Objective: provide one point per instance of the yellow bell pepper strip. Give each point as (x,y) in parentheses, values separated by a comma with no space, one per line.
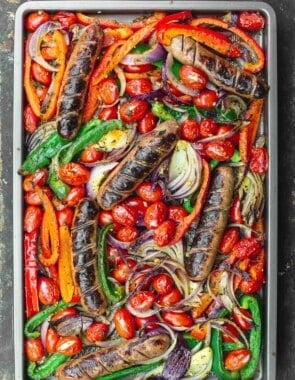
(209,37)
(52,226)
(66,283)
(248,133)
(245,37)
(185,223)
(48,108)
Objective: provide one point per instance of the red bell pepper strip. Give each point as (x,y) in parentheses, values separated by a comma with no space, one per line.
(211,38)
(185,223)
(174,17)
(259,62)
(31,269)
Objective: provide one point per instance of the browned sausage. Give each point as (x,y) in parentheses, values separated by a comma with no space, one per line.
(138,164)
(203,241)
(112,359)
(75,81)
(219,70)
(84,254)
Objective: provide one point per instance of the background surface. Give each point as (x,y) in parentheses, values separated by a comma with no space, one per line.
(285,11)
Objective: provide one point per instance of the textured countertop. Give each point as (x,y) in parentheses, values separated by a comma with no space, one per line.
(285,11)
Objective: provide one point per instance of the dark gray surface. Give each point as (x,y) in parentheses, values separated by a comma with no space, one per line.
(285,11)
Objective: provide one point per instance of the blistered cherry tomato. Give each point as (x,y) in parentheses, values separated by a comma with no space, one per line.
(227,129)
(193,77)
(124,214)
(35,19)
(105,217)
(122,270)
(235,211)
(229,239)
(177,319)
(38,178)
(247,247)
(147,123)
(32,218)
(143,300)
(138,68)
(108,113)
(52,338)
(127,234)
(229,333)
(176,213)
(69,345)
(65,18)
(162,283)
(250,20)
(140,86)
(97,331)
(164,233)
(170,298)
(208,127)
(124,323)
(66,312)
(189,130)
(155,215)
(65,216)
(199,331)
(206,100)
(137,203)
(40,74)
(91,154)
(259,160)
(108,90)
(242,318)
(220,150)
(41,92)
(133,110)
(34,349)
(75,195)
(237,359)
(31,121)
(149,192)
(114,255)
(74,173)
(48,291)
(148,322)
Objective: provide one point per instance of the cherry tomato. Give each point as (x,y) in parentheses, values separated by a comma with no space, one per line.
(247,247)
(235,211)
(259,160)
(134,110)
(226,128)
(124,214)
(135,87)
(66,312)
(155,215)
(250,21)
(91,154)
(65,216)
(139,205)
(250,285)
(199,331)
(189,130)
(193,77)
(74,174)
(122,270)
(108,90)
(48,291)
(115,256)
(124,323)
(65,18)
(41,92)
(147,322)
(177,319)
(33,199)
(242,318)
(40,74)
(170,298)
(75,195)
(127,234)
(220,150)
(229,333)
(208,127)
(31,121)
(177,213)
(69,345)
(52,338)
(34,349)
(143,300)
(206,100)
(164,233)
(108,113)
(138,68)
(162,283)
(97,331)
(149,192)
(229,239)
(35,19)
(147,123)
(38,178)
(140,282)
(237,359)
(32,218)
(106,217)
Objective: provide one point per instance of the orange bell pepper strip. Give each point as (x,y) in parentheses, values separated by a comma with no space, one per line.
(51,224)
(249,132)
(201,306)
(66,283)
(185,223)
(209,37)
(259,62)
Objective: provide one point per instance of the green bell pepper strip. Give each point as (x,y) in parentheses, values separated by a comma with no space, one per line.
(236,157)
(112,292)
(188,204)
(213,164)
(59,188)
(218,364)
(230,346)
(90,137)
(47,367)
(37,319)
(252,303)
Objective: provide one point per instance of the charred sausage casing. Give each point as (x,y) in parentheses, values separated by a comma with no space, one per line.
(111,359)
(205,239)
(219,70)
(84,257)
(75,81)
(138,164)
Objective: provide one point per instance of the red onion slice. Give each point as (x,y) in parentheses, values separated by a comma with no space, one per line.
(156,53)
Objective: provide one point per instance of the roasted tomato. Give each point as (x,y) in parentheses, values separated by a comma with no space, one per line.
(155,215)
(164,233)
(74,174)
(208,127)
(108,90)
(38,178)
(189,130)
(170,298)
(40,74)
(34,349)
(32,218)
(69,345)
(35,19)
(228,129)
(115,256)
(243,318)
(140,86)
(237,359)
(247,247)
(177,319)
(75,195)
(193,77)
(52,338)
(259,160)
(143,300)
(65,18)
(229,239)
(220,150)
(31,121)
(229,333)
(250,21)
(48,291)
(162,283)
(176,213)
(124,323)
(66,312)
(134,110)
(139,205)
(124,214)
(65,216)
(108,113)
(97,331)
(91,154)
(149,192)
(127,234)
(122,270)
(138,68)
(148,323)
(206,100)
(147,123)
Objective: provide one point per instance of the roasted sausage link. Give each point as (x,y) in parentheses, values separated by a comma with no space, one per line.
(75,81)
(84,257)
(203,241)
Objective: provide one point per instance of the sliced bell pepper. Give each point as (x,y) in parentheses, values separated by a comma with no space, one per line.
(47,367)
(253,46)
(66,283)
(174,17)
(185,223)
(209,37)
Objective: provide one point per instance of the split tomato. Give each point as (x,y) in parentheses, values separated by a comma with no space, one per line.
(237,359)
(206,99)
(34,349)
(52,338)
(48,291)
(208,127)
(177,319)
(127,234)
(259,160)
(220,150)
(229,239)
(162,283)
(147,123)
(143,300)
(193,77)
(108,90)
(149,192)
(74,174)
(124,214)
(134,110)
(164,233)
(40,74)
(140,86)
(124,323)
(97,331)
(189,130)
(170,298)
(69,345)
(155,215)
